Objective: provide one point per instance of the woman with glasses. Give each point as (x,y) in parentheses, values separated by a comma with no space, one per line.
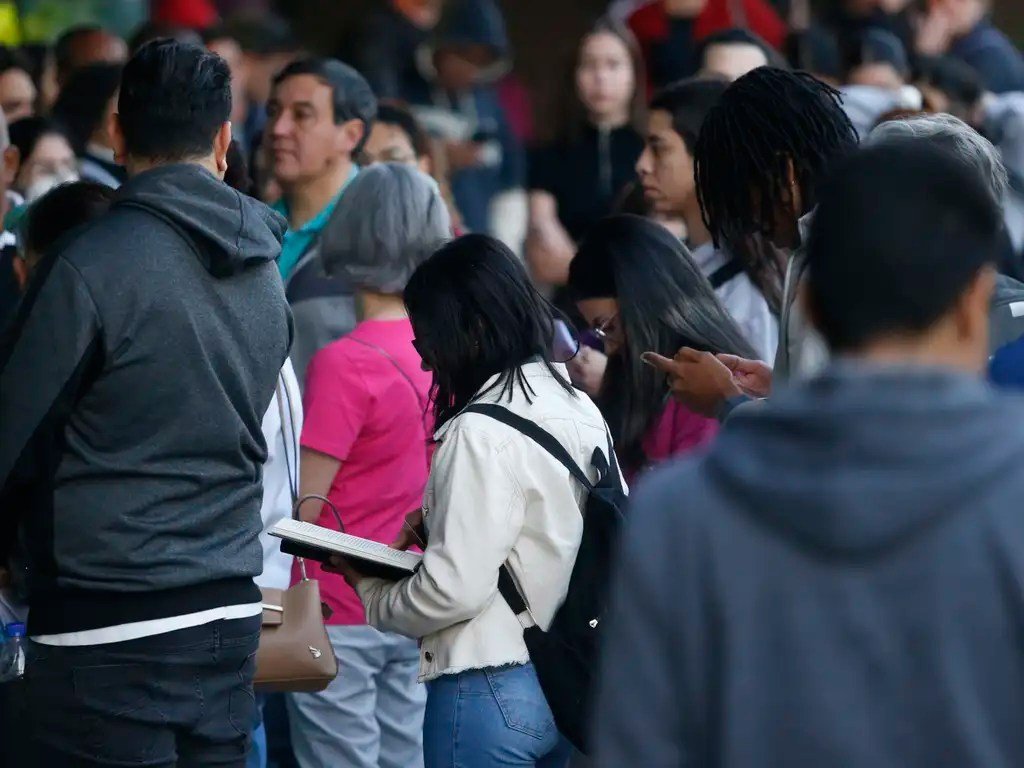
(494,498)
(639,290)
(364,446)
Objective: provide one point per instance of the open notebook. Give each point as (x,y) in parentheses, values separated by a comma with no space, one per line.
(371,558)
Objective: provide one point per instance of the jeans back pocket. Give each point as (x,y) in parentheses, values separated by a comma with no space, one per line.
(521,700)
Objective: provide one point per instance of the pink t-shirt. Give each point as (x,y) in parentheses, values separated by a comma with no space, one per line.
(677,431)
(361,410)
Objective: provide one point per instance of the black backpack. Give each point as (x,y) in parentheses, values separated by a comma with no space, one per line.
(1007,313)
(566,656)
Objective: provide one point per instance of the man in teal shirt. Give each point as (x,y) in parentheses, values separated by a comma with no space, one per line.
(318,118)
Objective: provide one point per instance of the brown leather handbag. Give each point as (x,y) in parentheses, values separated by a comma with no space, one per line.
(295,653)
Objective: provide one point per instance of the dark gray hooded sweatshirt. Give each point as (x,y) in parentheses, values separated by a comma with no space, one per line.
(132,388)
(840,582)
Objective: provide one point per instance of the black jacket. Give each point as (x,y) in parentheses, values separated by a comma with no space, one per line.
(131,397)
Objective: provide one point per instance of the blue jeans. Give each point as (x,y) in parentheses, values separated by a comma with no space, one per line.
(257,757)
(491,718)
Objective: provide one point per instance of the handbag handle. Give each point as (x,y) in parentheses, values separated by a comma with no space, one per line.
(293,481)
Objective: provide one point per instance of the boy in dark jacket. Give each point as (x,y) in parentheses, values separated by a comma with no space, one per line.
(836,582)
(132,390)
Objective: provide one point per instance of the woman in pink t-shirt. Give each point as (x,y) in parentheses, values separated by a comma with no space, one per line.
(365,447)
(640,291)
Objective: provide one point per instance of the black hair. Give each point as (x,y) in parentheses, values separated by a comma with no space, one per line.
(399,115)
(901,230)
(814,50)
(63,49)
(575,117)
(958,81)
(159,30)
(689,102)
(27,132)
(174,98)
(740,36)
(12,58)
(62,209)
(83,101)
(665,303)
(237,175)
(764,120)
(477,315)
(352,97)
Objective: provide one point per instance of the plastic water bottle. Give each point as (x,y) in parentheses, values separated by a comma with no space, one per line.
(12,657)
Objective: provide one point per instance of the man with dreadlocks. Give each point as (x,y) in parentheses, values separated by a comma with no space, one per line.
(761,154)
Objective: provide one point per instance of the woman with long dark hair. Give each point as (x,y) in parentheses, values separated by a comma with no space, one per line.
(494,498)
(639,290)
(576,180)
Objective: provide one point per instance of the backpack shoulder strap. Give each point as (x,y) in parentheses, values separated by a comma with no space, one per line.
(542,437)
(725,273)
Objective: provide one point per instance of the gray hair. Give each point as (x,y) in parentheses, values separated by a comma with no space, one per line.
(953,134)
(388,221)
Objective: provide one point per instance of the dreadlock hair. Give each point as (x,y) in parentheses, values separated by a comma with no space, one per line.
(764,120)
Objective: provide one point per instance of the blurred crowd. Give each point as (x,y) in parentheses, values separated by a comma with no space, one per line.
(243,282)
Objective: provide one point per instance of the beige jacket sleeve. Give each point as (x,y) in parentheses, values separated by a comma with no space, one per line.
(476,516)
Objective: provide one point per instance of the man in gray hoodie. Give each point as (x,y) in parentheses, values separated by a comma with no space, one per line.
(132,389)
(837,583)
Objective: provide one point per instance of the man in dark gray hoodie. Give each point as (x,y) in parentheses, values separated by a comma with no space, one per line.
(132,390)
(837,582)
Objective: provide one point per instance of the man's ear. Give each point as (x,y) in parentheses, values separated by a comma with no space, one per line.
(117,142)
(349,136)
(22,272)
(972,310)
(221,144)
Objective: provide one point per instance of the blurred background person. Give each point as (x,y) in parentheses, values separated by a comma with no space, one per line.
(388,41)
(576,180)
(365,447)
(45,157)
(18,94)
(10,292)
(731,53)
(220,39)
(962,29)
(155,30)
(638,290)
(320,115)
(457,101)
(84,108)
(83,45)
(666,172)
(815,50)
(670,32)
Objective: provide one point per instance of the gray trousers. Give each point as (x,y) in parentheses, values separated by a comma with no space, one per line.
(371,716)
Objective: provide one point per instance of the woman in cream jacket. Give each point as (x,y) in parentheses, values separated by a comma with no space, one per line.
(493,497)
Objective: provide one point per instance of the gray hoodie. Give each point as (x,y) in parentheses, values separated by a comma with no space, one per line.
(837,583)
(132,389)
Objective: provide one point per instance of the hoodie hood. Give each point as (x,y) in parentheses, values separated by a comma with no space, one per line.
(469,22)
(231,231)
(858,461)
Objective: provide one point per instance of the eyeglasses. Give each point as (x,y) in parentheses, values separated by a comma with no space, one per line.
(604,330)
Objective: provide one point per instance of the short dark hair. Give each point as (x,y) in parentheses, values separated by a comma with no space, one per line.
(689,102)
(83,101)
(957,80)
(12,58)
(875,46)
(397,114)
(63,49)
(901,230)
(477,315)
(261,34)
(61,210)
(157,30)
(740,36)
(174,98)
(352,97)
(764,118)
